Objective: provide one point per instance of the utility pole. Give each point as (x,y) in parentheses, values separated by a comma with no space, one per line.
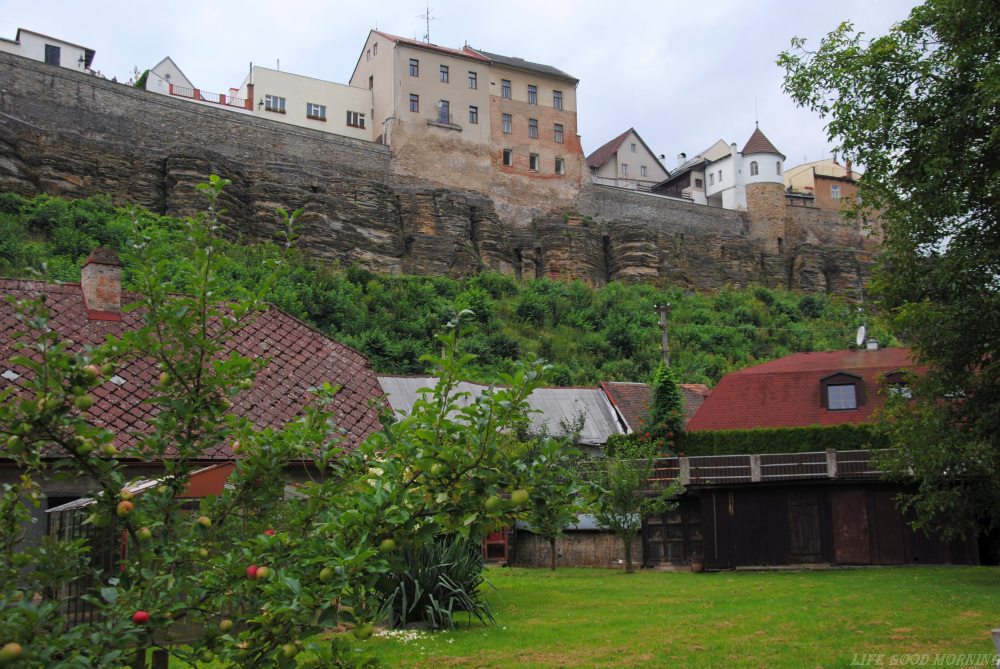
(663,310)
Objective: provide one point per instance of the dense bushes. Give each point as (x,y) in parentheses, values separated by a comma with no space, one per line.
(781,440)
(589,335)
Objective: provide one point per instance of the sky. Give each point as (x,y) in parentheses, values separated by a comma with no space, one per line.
(683,74)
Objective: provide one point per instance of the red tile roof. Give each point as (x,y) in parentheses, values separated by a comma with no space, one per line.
(604,153)
(464,53)
(786,392)
(758,143)
(298,358)
(631,400)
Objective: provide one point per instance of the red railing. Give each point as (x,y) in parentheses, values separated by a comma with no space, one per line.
(215,98)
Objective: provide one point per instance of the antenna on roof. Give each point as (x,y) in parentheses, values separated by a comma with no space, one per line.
(756,115)
(426,16)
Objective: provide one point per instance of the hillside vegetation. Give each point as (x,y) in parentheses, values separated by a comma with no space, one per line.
(588,334)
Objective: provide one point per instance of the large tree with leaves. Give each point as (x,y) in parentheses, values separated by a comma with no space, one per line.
(920,108)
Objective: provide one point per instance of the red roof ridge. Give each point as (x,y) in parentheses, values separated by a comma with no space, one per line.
(603,153)
(759,143)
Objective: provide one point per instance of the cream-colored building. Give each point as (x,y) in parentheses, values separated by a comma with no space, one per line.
(308,102)
(52,50)
(165,74)
(626,162)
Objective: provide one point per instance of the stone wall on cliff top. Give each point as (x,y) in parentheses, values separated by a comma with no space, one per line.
(70,134)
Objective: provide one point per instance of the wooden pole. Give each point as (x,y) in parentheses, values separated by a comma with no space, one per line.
(663,310)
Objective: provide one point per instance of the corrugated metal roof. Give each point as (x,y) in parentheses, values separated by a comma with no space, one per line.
(552,407)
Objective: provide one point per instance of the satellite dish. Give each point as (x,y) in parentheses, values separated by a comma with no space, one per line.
(859,339)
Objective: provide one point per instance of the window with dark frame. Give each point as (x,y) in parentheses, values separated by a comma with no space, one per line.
(444,74)
(557,100)
(532,94)
(505,89)
(533,162)
(507,124)
(414,102)
(508,157)
(473,114)
(699,183)
(842,392)
(414,67)
(557,132)
(642,170)
(753,168)
(777,167)
(560,166)
(356,119)
(533,128)
(473,80)
(52,54)
(444,111)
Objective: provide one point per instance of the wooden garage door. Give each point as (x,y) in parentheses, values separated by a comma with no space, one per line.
(849,513)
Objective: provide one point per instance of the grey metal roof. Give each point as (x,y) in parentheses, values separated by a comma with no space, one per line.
(551,407)
(522,64)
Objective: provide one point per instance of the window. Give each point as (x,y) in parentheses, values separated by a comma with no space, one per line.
(508,157)
(711,179)
(473,114)
(753,168)
(355,119)
(841,397)
(720,176)
(777,167)
(835,191)
(624,169)
(557,99)
(414,67)
(533,128)
(505,89)
(560,166)
(842,392)
(532,94)
(414,102)
(533,162)
(444,111)
(444,74)
(642,171)
(698,183)
(371,81)
(369,56)
(375,49)
(507,123)
(52,54)
(633,147)
(896,383)
(558,133)
(317,112)
(473,80)
(273,103)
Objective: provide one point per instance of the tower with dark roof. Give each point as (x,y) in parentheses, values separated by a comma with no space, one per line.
(764,185)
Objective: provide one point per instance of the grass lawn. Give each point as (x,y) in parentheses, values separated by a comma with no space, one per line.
(601,618)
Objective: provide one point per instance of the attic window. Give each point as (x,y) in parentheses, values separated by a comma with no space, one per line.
(897,384)
(842,392)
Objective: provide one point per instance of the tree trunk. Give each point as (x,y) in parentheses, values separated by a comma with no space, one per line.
(552,553)
(627,541)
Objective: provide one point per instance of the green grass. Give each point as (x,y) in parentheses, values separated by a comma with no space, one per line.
(599,618)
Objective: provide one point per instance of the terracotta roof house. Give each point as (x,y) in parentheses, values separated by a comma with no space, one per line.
(827,388)
(631,400)
(626,161)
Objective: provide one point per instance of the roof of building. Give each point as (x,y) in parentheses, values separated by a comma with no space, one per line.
(786,392)
(603,154)
(758,143)
(522,64)
(461,53)
(551,408)
(632,400)
(298,358)
(167,59)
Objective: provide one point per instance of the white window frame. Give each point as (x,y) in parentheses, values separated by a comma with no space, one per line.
(505,89)
(533,161)
(835,191)
(274,103)
(316,112)
(532,94)
(557,100)
(754,168)
(533,128)
(507,123)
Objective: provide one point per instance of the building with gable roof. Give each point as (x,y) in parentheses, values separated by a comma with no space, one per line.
(626,161)
(298,358)
(51,50)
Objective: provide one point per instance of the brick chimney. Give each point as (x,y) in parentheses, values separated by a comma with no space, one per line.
(101,280)
(850,171)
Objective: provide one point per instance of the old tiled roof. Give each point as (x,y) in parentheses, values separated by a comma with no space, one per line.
(632,400)
(299,358)
(786,392)
(758,143)
(463,53)
(604,153)
(522,64)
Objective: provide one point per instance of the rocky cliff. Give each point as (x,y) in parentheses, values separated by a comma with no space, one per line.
(70,134)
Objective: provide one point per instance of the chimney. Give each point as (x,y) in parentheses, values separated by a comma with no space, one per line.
(847,166)
(872,344)
(101,280)
(681,157)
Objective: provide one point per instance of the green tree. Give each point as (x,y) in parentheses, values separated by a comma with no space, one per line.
(665,423)
(624,493)
(919,107)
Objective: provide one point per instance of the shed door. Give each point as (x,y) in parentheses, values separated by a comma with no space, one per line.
(849,511)
(803,528)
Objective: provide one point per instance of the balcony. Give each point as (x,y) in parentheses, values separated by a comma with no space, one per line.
(442,119)
(215,98)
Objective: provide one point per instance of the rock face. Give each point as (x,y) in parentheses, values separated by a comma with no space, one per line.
(69,134)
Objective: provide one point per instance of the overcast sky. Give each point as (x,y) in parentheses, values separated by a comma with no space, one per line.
(684,74)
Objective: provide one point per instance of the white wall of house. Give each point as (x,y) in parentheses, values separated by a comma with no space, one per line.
(310,103)
(165,73)
(32,45)
(770,168)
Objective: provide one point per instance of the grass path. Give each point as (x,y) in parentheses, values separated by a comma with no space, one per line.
(599,618)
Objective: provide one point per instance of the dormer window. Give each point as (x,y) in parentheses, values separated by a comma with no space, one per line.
(842,392)
(898,384)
